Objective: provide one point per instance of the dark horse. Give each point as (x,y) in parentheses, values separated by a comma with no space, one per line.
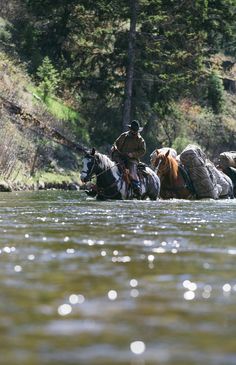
(111,182)
(175,182)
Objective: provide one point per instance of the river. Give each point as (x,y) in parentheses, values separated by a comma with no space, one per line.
(124,282)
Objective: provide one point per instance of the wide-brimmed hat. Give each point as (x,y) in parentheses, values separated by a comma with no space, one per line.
(135,126)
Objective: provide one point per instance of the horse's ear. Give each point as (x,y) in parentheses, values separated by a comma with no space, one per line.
(167,153)
(93,151)
(157,151)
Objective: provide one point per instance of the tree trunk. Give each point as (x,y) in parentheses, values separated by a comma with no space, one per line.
(130,65)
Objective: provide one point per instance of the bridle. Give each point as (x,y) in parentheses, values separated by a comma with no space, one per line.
(102,190)
(90,174)
(160,170)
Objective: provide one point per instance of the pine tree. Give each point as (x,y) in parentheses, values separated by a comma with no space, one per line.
(49,78)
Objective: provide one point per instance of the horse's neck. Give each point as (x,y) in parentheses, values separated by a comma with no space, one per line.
(170,175)
(173,169)
(107,169)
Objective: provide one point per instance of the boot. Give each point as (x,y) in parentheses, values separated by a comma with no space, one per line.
(136,186)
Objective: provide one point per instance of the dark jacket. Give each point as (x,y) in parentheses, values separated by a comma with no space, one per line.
(134,143)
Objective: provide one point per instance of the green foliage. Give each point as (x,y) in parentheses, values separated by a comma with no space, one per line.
(181,142)
(5,30)
(220,26)
(215,93)
(48,77)
(61,111)
(86,41)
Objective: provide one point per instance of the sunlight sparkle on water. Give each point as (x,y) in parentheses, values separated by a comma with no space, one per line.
(76,299)
(189,285)
(6,249)
(159,250)
(134,293)
(112,294)
(89,242)
(70,250)
(64,309)
(121,259)
(226,288)
(17,268)
(133,283)
(207,291)
(189,295)
(137,347)
(148,243)
(232,252)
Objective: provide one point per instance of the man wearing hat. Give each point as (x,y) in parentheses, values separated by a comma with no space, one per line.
(128,148)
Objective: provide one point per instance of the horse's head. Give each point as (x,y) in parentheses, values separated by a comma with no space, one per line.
(159,159)
(89,165)
(165,164)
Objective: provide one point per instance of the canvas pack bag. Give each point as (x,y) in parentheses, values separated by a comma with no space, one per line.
(227,159)
(201,172)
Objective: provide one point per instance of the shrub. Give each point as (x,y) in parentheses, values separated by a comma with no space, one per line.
(49,78)
(215,93)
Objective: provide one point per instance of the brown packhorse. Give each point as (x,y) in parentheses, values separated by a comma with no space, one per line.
(175,182)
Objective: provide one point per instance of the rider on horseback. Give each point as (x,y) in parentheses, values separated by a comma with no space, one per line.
(127,149)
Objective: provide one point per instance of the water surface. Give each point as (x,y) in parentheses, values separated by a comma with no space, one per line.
(87,282)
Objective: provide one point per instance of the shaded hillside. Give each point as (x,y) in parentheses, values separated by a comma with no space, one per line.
(27,149)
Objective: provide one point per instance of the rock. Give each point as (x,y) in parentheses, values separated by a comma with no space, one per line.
(5,186)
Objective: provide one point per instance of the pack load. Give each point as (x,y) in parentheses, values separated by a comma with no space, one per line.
(227,163)
(227,159)
(202,172)
(224,182)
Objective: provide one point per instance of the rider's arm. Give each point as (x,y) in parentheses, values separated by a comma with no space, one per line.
(119,142)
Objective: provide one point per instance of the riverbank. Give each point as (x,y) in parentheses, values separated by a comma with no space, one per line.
(42,180)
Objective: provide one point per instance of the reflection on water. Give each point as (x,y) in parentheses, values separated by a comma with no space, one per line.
(87,282)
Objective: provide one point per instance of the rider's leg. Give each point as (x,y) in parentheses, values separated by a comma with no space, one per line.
(133,169)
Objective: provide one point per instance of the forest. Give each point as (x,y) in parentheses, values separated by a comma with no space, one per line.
(87,68)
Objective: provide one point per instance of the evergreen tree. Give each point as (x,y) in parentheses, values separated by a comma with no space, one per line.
(49,78)
(215,93)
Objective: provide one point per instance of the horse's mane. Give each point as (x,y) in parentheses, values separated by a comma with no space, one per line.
(174,167)
(105,160)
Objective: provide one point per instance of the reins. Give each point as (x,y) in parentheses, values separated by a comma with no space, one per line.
(102,172)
